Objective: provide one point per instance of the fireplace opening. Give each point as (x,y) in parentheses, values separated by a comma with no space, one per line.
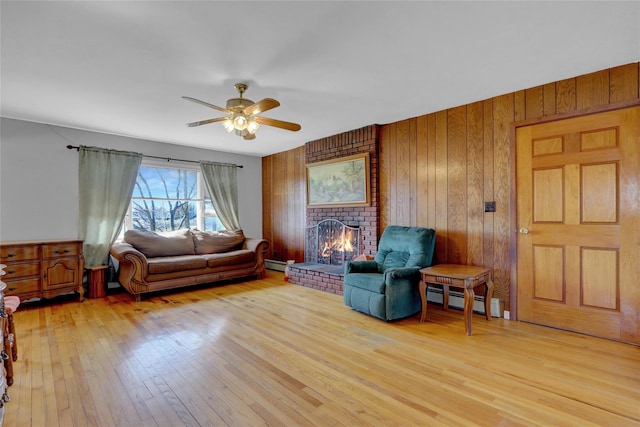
(331,242)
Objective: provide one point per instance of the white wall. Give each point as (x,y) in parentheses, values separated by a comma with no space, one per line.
(39,178)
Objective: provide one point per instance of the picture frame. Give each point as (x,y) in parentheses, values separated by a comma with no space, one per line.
(339,182)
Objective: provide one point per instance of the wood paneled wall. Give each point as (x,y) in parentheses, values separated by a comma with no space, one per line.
(284,204)
(437,170)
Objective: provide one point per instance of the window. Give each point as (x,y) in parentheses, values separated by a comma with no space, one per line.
(170,198)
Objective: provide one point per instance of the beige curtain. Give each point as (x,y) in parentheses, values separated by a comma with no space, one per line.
(221,181)
(106,180)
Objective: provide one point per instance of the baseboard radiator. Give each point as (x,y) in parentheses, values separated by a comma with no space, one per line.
(456,300)
(275,265)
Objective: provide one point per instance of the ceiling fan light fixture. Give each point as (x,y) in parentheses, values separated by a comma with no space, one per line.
(252,126)
(240,122)
(228,124)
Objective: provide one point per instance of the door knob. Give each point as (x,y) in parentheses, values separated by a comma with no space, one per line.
(524,231)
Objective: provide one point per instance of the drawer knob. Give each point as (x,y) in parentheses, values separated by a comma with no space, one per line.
(10,255)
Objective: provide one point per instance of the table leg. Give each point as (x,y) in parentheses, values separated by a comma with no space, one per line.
(469,298)
(423,299)
(487,298)
(445,297)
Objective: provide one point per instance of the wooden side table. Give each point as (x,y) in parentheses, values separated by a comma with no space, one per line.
(97,288)
(458,276)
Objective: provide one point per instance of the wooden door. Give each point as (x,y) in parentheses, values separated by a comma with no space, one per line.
(578,217)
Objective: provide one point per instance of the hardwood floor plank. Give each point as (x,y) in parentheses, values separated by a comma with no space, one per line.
(267,352)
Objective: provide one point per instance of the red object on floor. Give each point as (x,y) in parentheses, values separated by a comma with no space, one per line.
(11,304)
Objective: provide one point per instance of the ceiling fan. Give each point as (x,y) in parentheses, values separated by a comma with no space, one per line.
(243,113)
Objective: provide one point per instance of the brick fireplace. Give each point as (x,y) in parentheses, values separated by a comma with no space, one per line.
(364,218)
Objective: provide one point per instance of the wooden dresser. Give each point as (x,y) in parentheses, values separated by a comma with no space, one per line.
(43,269)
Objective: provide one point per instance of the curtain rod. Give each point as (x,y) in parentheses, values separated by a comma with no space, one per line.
(168,159)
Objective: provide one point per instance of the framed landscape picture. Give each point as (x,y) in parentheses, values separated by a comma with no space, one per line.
(339,182)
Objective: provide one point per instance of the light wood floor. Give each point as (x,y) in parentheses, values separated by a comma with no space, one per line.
(271,353)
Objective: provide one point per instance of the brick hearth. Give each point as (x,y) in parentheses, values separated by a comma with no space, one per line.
(364,140)
(310,277)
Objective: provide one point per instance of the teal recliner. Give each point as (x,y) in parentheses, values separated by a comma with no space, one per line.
(387,286)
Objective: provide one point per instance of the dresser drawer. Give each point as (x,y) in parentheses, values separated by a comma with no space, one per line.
(22,286)
(21,270)
(18,253)
(58,250)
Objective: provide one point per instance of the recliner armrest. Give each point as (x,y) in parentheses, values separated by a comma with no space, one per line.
(401,273)
(360,267)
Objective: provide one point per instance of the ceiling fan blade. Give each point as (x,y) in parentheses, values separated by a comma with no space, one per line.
(278,123)
(261,106)
(249,136)
(205,122)
(206,104)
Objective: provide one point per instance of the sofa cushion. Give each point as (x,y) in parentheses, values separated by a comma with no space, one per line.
(229,258)
(172,264)
(169,243)
(212,242)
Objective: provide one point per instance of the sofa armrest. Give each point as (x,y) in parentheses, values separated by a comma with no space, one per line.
(259,247)
(256,245)
(120,249)
(360,267)
(133,263)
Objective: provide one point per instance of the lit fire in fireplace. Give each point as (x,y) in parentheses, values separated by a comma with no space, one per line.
(339,245)
(331,242)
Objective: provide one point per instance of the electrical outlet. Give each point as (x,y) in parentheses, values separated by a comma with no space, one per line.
(489,206)
(507,315)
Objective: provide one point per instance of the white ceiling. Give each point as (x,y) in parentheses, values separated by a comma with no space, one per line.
(122,67)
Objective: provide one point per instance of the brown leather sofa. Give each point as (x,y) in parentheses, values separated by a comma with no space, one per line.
(149,262)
